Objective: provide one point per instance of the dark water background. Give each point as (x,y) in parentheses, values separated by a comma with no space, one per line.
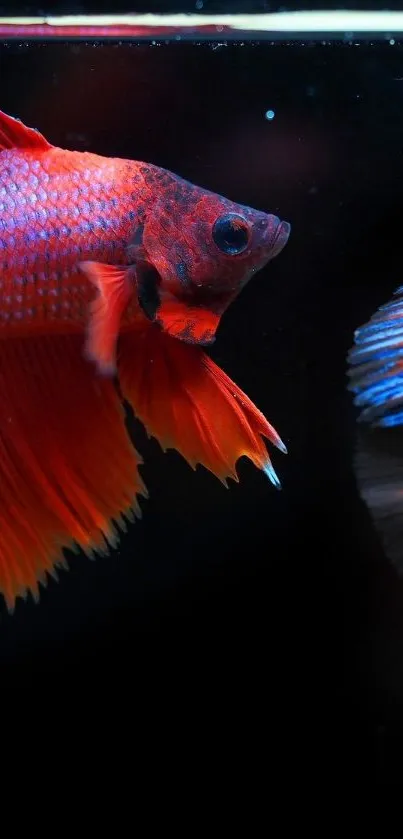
(272,615)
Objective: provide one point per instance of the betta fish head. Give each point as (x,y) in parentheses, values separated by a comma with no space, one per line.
(200,250)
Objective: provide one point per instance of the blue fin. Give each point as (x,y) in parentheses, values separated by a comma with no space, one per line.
(376,366)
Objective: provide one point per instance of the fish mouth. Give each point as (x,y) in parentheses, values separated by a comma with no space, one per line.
(281,237)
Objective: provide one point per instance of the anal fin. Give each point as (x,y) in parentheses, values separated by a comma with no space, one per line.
(68,470)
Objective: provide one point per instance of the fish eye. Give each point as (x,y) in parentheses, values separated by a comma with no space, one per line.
(231,233)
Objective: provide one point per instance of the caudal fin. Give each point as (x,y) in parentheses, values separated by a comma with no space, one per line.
(376,378)
(68,472)
(189,404)
(376,366)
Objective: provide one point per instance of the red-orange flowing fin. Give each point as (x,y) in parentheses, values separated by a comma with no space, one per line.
(14,134)
(191,324)
(68,472)
(114,293)
(189,404)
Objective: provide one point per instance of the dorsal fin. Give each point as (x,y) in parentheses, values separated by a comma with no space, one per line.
(14,134)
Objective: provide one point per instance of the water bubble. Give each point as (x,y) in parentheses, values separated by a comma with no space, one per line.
(199,4)
(270,115)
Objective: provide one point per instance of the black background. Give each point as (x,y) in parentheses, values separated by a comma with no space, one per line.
(271,619)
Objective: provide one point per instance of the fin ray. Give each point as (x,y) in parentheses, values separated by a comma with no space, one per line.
(67,467)
(375,364)
(187,403)
(106,311)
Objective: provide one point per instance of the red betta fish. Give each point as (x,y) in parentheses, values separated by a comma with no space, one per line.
(110,268)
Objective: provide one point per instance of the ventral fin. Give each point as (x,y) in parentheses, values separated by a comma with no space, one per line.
(191,324)
(15,135)
(189,404)
(114,292)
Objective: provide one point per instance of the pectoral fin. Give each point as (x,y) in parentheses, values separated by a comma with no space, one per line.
(114,292)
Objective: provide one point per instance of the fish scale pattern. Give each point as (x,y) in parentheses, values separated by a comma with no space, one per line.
(56,211)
